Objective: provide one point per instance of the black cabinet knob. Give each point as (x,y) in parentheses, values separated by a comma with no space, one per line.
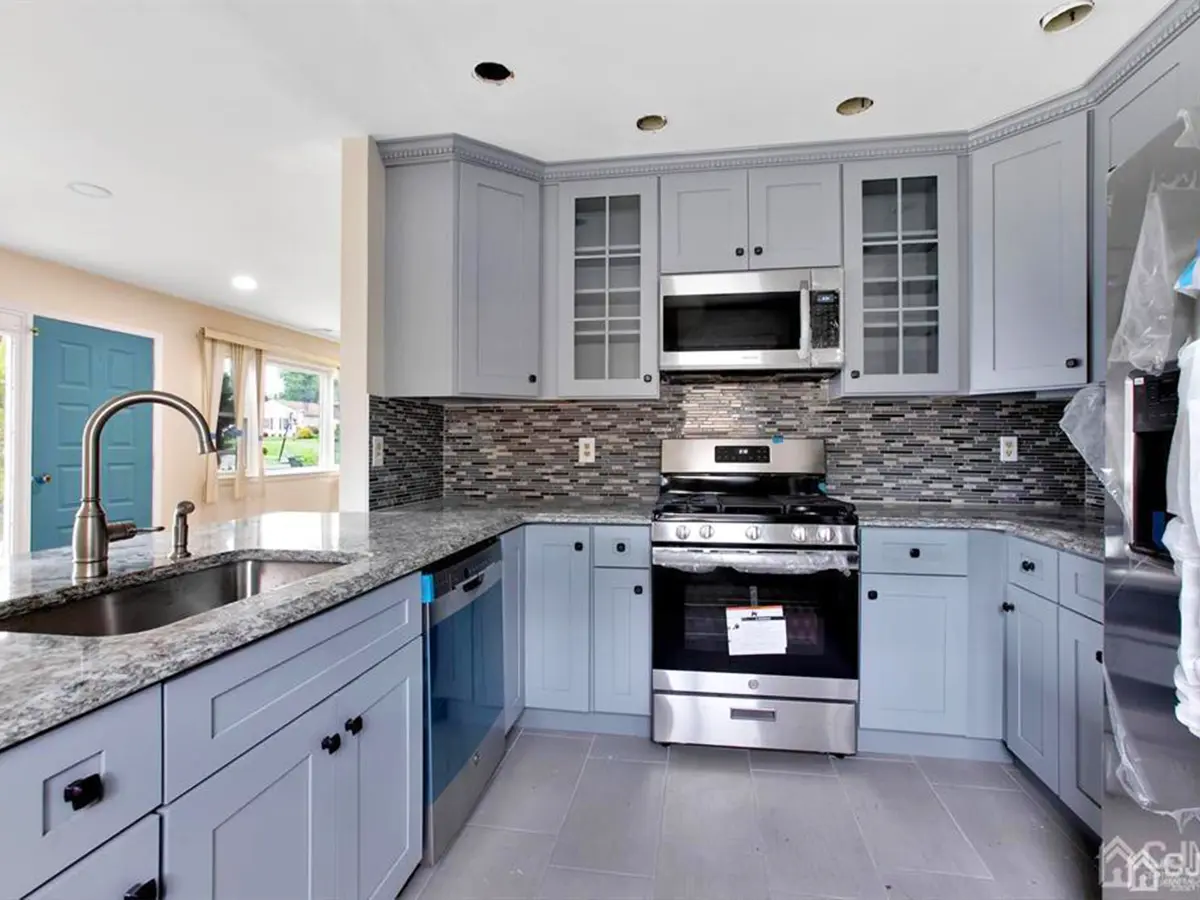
(533,379)
(1100,656)
(147,890)
(331,743)
(915,552)
(854,373)
(1028,565)
(758,251)
(578,546)
(84,791)
(647,378)
(740,251)
(620,546)
(637,589)
(872,595)
(355,725)
(1074,362)
(1006,607)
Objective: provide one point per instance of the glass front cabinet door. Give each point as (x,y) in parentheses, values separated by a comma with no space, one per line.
(608,288)
(902,276)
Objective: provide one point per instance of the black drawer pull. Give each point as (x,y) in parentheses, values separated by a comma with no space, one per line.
(740,251)
(854,373)
(621,547)
(533,379)
(331,743)
(1006,607)
(1073,362)
(1100,656)
(647,378)
(147,890)
(637,589)
(1028,565)
(578,546)
(872,595)
(758,251)
(355,725)
(84,791)
(915,552)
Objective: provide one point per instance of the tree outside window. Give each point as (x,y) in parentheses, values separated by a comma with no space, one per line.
(299,424)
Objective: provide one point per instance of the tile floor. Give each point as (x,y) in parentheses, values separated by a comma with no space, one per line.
(598,817)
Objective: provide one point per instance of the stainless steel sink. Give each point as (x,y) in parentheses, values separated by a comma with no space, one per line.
(164,600)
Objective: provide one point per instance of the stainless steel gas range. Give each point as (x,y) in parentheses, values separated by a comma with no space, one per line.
(755,599)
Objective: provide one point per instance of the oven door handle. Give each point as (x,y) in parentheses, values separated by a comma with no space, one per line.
(759,562)
(805,323)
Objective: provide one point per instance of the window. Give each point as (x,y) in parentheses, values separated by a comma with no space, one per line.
(300,425)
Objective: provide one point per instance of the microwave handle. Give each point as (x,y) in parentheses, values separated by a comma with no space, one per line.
(805,323)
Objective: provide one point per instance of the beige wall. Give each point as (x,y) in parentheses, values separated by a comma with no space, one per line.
(59,292)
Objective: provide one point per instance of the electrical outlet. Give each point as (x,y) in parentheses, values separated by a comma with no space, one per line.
(587,451)
(377,450)
(1008,448)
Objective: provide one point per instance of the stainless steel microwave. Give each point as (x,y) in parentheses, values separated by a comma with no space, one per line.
(781,319)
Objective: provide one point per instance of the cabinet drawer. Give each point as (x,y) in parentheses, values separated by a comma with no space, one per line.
(753,722)
(621,546)
(1081,585)
(124,863)
(1033,567)
(119,747)
(219,711)
(914,551)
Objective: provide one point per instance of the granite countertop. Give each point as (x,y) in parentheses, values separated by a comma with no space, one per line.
(46,680)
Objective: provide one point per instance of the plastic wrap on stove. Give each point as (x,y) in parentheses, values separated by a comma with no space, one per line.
(756,562)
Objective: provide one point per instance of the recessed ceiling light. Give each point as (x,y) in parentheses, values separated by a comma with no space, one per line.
(1067,15)
(244,282)
(853,106)
(89,190)
(652,122)
(493,73)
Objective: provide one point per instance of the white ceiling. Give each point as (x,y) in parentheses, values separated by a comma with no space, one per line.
(217,123)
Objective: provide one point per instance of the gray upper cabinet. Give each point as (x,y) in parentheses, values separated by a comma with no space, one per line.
(1031,682)
(607,288)
(1029,255)
(902,269)
(1081,715)
(705,221)
(621,641)
(462,282)
(766,218)
(558,603)
(500,245)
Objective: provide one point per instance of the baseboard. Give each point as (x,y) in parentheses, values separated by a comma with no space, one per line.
(600,723)
(941,745)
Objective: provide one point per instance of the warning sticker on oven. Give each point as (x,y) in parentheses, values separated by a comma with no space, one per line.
(756,630)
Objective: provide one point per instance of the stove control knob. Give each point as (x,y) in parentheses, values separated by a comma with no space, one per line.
(798,534)
(825,535)
(706,531)
(682,532)
(753,532)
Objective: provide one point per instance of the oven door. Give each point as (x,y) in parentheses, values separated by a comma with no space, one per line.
(692,646)
(740,320)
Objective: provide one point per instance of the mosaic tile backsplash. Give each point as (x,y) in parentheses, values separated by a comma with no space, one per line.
(919,449)
(412,451)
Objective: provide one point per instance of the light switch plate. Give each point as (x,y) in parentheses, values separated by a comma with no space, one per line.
(587,451)
(1008,448)
(377,450)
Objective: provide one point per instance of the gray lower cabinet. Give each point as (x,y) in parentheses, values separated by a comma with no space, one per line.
(512,545)
(914,644)
(1081,715)
(126,864)
(558,570)
(1029,259)
(1031,682)
(621,641)
(328,806)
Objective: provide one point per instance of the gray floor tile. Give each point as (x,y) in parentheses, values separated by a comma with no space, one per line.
(556,732)
(533,789)
(614,822)
(798,763)
(711,847)
(416,883)
(490,864)
(903,885)
(903,822)
(574,884)
(1028,855)
(811,840)
(1040,795)
(626,747)
(966,773)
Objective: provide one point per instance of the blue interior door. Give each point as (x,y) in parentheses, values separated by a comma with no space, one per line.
(75,369)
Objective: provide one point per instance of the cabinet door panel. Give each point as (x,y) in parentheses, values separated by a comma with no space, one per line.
(705,220)
(499,293)
(557,617)
(795,217)
(379,777)
(513,545)
(129,859)
(1031,683)
(1081,715)
(1029,259)
(914,653)
(621,641)
(262,827)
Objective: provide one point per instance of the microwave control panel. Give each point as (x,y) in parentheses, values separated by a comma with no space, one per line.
(825,319)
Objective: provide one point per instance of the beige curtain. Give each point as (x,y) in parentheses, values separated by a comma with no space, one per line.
(212,360)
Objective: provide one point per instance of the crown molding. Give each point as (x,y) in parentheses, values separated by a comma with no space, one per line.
(1135,54)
